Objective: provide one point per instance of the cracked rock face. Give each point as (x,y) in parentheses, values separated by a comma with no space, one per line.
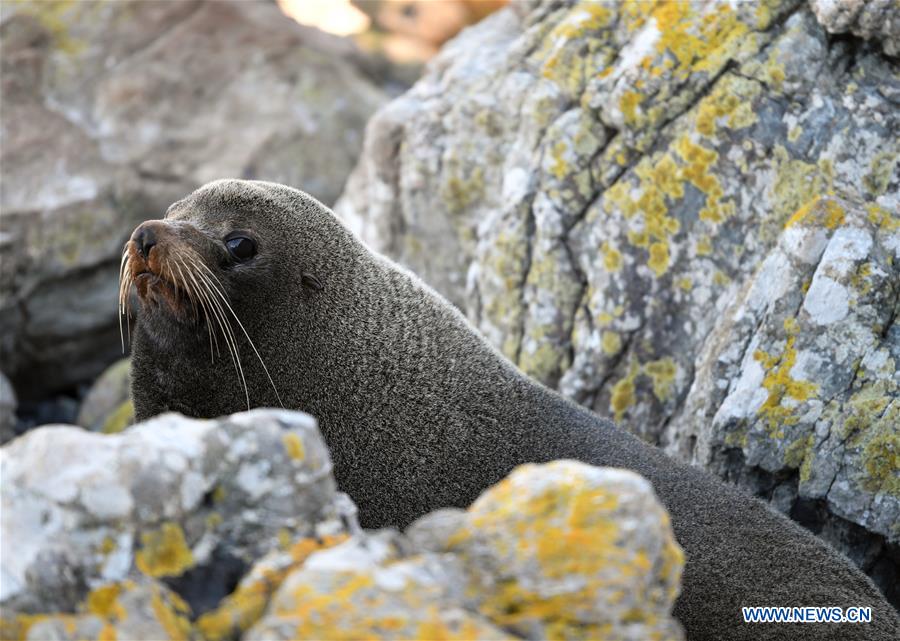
(595,185)
(869,19)
(233,529)
(113,110)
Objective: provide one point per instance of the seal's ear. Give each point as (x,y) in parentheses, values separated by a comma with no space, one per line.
(308,280)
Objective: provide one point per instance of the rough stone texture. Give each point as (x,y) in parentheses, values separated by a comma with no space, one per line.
(143,609)
(503,569)
(594,184)
(184,500)
(364,589)
(107,407)
(878,19)
(113,110)
(797,391)
(8,406)
(519,544)
(233,529)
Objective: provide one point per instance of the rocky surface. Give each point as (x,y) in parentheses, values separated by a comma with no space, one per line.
(113,110)
(233,529)
(107,406)
(596,184)
(878,19)
(7,410)
(799,376)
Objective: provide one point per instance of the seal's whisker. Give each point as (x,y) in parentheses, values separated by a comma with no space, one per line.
(201,297)
(226,327)
(243,329)
(124,287)
(228,334)
(185,285)
(214,312)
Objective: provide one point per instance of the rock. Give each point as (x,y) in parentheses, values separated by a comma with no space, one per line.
(233,529)
(107,407)
(192,502)
(362,588)
(433,531)
(797,392)
(7,410)
(869,19)
(621,583)
(595,183)
(127,610)
(506,570)
(113,110)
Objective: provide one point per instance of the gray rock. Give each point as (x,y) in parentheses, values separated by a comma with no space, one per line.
(869,19)
(144,609)
(113,110)
(8,406)
(107,407)
(170,498)
(800,373)
(141,535)
(507,570)
(433,531)
(594,184)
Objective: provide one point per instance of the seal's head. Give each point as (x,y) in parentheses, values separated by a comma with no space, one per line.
(226,267)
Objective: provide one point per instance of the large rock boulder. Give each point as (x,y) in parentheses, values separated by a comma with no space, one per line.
(113,110)
(595,184)
(233,529)
(174,498)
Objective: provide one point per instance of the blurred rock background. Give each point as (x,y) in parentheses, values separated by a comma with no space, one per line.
(113,110)
(681,215)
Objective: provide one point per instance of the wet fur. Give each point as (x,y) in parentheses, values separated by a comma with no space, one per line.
(420,412)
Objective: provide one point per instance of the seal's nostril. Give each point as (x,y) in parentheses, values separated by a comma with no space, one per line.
(145,239)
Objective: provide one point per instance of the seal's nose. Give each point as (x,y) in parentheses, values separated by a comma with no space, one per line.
(144,238)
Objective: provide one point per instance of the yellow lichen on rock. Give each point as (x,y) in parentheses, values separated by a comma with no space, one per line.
(294,447)
(525,528)
(164,552)
(104,602)
(821,210)
(245,606)
(172,614)
(781,386)
(623,392)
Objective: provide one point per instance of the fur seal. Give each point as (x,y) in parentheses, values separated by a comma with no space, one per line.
(418,410)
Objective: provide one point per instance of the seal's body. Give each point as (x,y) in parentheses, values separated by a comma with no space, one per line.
(418,410)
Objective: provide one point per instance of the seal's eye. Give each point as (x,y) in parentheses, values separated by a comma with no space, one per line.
(241,247)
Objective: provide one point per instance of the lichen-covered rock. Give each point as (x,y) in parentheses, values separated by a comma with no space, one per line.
(878,19)
(143,609)
(595,183)
(113,110)
(107,407)
(233,529)
(562,551)
(566,551)
(364,589)
(7,410)
(192,502)
(800,378)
